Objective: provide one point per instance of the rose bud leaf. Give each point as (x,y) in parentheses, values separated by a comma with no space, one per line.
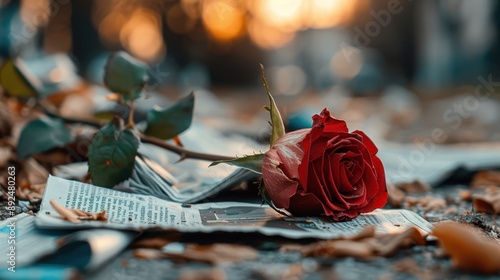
(165,123)
(112,154)
(278,128)
(251,162)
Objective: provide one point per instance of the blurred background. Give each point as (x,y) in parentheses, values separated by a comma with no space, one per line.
(415,65)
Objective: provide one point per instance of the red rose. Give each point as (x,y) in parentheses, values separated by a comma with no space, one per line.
(325,170)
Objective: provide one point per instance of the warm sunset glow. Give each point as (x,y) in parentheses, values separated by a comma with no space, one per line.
(141,35)
(330,13)
(268,37)
(286,15)
(223,19)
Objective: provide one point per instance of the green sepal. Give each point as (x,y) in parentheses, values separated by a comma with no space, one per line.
(250,162)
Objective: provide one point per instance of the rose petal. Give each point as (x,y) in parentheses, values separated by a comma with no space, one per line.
(279,187)
(367,142)
(331,124)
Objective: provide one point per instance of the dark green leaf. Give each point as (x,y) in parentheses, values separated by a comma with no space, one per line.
(112,154)
(41,135)
(14,82)
(125,75)
(167,123)
(278,128)
(253,162)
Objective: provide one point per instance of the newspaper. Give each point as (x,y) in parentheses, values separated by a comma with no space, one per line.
(31,245)
(138,212)
(157,171)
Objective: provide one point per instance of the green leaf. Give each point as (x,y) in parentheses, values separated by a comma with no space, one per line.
(252,162)
(14,82)
(41,135)
(169,122)
(278,128)
(125,75)
(112,154)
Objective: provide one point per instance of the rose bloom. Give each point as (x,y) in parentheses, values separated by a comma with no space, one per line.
(325,170)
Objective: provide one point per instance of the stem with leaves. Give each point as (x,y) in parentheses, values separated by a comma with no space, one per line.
(182,152)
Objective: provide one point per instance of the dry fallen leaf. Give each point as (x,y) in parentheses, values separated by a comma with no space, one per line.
(203,274)
(76,216)
(484,179)
(366,247)
(487,203)
(426,203)
(470,250)
(416,186)
(396,196)
(212,254)
(155,242)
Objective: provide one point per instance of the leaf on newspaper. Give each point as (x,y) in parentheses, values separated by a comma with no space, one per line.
(167,123)
(77,216)
(365,245)
(218,253)
(484,179)
(41,135)
(251,162)
(112,154)
(469,249)
(278,128)
(487,203)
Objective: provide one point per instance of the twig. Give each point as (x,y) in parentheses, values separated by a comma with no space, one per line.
(182,152)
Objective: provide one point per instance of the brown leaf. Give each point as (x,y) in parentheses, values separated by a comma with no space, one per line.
(212,254)
(65,212)
(76,215)
(203,274)
(484,179)
(155,242)
(470,250)
(396,196)
(487,203)
(416,186)
(426,203)
(367,247)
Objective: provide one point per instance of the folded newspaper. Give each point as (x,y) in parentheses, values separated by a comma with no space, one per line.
(138,212)
(157,171)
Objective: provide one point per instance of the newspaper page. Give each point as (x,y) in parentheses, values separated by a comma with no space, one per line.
(157,171)
(28,244)
(137,212)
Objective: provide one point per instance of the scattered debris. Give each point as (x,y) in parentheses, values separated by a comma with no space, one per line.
(469,249)
(485,179)
(487,203)
(477,220)
(365,247)
(416,186)
(218,253)
(426,203)
(202,274)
